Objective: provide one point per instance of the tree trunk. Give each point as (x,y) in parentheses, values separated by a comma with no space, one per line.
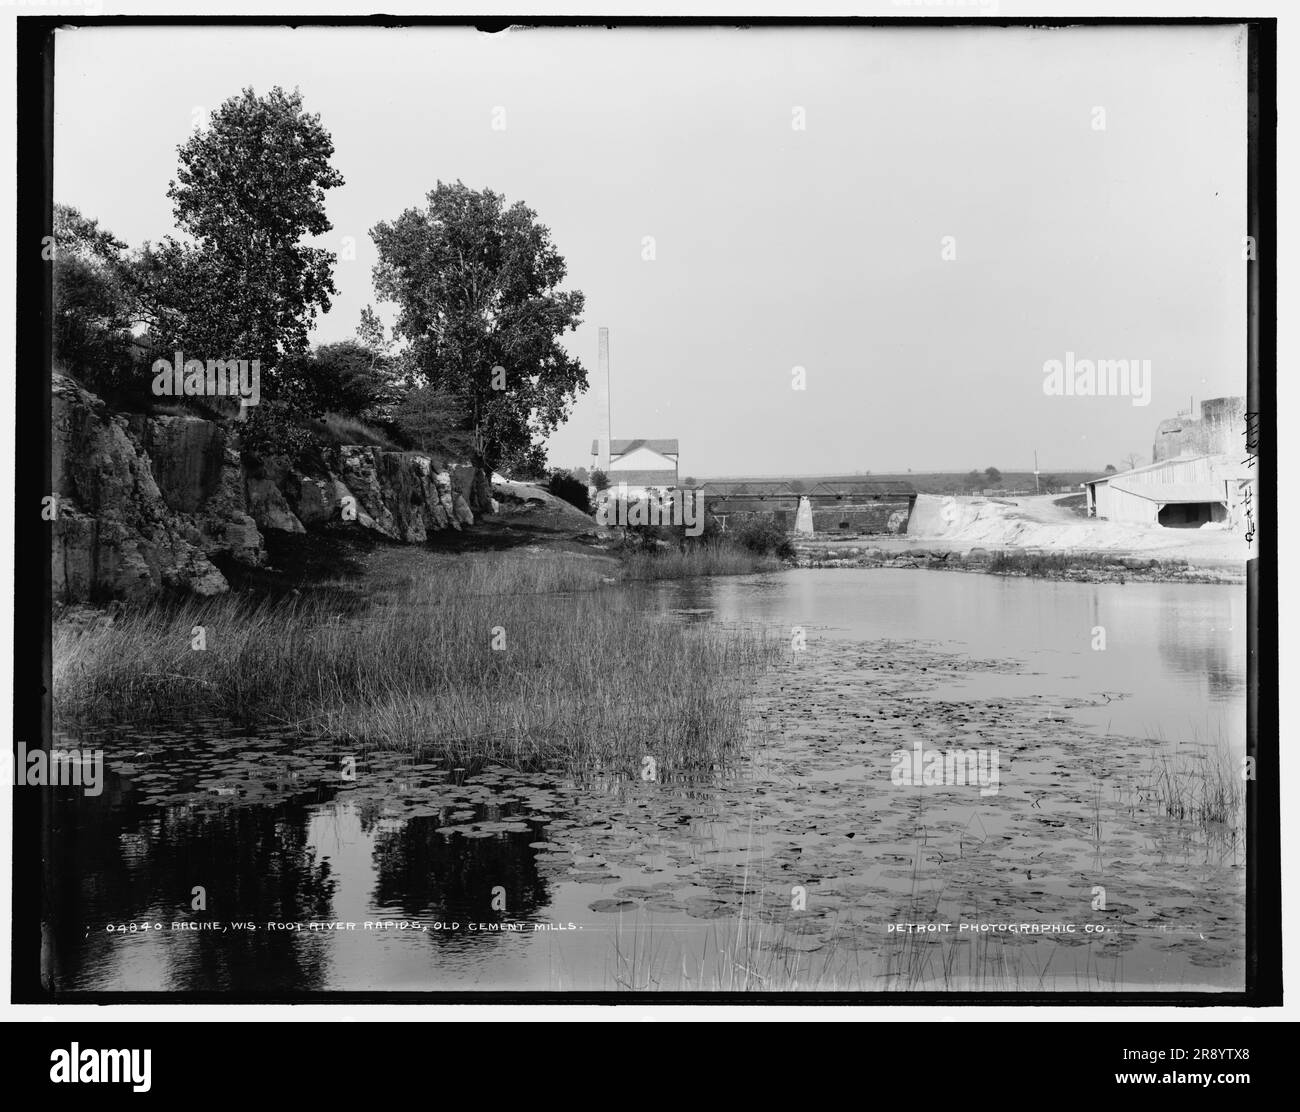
(480,497)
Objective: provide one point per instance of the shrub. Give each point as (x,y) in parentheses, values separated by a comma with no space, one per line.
(432,420)
(574,491)
(763,537)
(652,538)
(275,428)
(658,538)
(343,378)
(337,428)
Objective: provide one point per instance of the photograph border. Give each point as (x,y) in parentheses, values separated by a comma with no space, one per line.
(32,829)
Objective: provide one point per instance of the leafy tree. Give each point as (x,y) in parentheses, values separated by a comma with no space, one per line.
(599,479)
(371,334)
(477,286)
(81,237)
(249,188)
(92,302)
(993,475)
(1109,468)
(429,419)
(974,480)
(528,464)
(387,367)
(339,378)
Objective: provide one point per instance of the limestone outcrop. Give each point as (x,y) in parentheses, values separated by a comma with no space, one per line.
(147,503)
(114,535)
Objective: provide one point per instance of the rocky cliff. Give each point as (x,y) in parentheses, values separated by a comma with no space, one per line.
(145,503)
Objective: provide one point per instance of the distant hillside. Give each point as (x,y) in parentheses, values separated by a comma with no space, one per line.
(934,482)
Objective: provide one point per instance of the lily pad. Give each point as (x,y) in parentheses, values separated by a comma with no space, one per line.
(613,905)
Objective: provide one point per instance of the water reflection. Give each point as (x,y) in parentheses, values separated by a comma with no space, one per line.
(265,827)
(1174,652)
(118,862)
(421,873)
(1206,637)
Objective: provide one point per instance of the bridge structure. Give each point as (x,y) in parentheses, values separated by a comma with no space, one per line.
(848,505)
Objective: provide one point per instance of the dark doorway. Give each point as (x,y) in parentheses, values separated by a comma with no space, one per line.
(1192,515)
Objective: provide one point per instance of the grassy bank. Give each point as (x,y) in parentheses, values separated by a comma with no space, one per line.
(1087,567)
(711,558)
(665,552)
(529,660)
(1053,565)
(1096,567)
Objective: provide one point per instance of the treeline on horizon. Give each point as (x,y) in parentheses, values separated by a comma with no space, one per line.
(928,482)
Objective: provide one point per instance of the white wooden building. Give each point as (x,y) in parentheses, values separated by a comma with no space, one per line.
(1180,493)
(645,466)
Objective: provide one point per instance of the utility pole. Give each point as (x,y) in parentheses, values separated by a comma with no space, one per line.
(1036,471)
(602,398)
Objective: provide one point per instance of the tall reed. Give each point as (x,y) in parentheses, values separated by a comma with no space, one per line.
(530,661)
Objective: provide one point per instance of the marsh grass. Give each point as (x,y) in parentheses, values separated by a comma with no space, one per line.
(1198,785)
(1056,565)
(706,558)
(582,675)
(744,953)
(1200,789)
(753,953)
(1048,565)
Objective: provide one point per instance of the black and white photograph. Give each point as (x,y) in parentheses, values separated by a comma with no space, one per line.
(652,509)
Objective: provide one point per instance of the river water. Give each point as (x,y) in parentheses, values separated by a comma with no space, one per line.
(216,861)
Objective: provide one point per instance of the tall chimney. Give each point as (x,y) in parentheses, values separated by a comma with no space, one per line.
(602,400)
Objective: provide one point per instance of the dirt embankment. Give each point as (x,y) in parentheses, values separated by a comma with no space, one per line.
(1042,523)
(1037,536)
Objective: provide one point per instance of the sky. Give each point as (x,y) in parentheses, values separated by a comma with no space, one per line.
(949,219)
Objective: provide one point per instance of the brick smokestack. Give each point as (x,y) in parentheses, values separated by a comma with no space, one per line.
(602,400)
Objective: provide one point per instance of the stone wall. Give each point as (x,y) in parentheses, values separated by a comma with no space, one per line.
(877,516)
(733,520)
(865,514)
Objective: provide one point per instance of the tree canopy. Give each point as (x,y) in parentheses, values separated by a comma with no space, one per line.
(249,188)
(474,366)
(477,288)
(92,300)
